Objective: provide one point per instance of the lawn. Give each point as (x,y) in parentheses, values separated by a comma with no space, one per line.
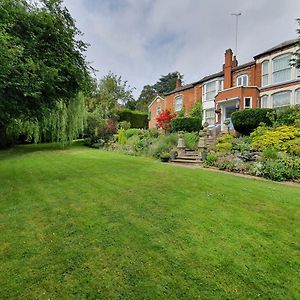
(86,224)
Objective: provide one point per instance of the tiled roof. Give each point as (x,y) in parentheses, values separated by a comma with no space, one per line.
(182,88)
(244,65)
(212,76)
(277,47)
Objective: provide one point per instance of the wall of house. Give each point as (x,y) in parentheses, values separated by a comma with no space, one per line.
(158,103)
(190,97)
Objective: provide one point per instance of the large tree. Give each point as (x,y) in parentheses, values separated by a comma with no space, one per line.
(42,60)
(164,85)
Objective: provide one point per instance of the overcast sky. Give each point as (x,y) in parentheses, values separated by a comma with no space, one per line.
(144,39)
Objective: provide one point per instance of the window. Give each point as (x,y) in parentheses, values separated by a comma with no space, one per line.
(158,110)
(281,99)
(247,102)
(210,116)
(209,91)
(178,103)
(297,101)
(242,80)
(264,101)
(220,85)
(281,68)
(265,73)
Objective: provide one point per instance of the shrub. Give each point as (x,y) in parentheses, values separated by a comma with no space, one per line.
(279,137)
(124,124)
(247,120)
(164,120)
(289,116)
(224,143)
(121,137)
(188,124)
(164,143)
(210,159)
(196,111)
(137,119)
(242,144)
(132,131)
(191,140)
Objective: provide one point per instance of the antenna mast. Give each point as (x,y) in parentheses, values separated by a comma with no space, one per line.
(237,15)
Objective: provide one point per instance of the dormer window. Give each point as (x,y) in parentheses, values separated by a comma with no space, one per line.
(242,80)
(178,103)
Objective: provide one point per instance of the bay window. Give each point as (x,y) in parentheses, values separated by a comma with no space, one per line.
(282,99)
(297,100)
(281,68)
(265,73)
(209,116)
(264,102)
(209,91)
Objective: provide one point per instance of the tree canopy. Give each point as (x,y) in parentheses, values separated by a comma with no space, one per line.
(42,60)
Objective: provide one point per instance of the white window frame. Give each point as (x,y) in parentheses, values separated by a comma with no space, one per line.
(247,107)
(267,101)
(265,72)
(289,67)
(212,118)
(278,93)
(297,95)
(205,92)
(158,110)
(244,80)
(177,98)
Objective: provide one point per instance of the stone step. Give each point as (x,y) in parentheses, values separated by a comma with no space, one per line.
(187,161)
(196,157)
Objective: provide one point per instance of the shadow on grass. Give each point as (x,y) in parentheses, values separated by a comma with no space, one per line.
(31,148)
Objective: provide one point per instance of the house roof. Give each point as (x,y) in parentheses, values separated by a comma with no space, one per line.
(248,64)
(182,88)
(280,46)
(212,76)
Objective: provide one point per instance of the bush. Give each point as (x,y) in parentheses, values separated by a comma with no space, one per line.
(196,111)
(279,138)
(247,120)
(164,143)
(188,124)
(121,137)
(242,144)
(289,116)
(132,131)
(191,140)
(211,159)
(224,143)
(137,119)
(124,124)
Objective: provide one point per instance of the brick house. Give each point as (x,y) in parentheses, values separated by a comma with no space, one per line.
(269,81)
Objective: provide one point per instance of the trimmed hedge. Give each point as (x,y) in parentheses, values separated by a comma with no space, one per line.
(247,120)
(137,119)
(187,124)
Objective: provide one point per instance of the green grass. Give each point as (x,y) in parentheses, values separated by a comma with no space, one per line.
(85,224)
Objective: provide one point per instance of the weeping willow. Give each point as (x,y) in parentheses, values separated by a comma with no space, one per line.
(62,124)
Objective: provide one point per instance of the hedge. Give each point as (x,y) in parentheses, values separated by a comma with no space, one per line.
(187,124)
(247,120)
(137,119)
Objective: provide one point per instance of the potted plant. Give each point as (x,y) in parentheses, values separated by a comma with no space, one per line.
(165,157)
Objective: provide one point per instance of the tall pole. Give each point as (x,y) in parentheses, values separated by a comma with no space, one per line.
(237,15)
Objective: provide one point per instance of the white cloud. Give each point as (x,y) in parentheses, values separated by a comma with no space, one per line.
(143,39)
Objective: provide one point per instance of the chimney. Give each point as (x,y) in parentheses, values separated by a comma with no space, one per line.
(230,62)
(178,81)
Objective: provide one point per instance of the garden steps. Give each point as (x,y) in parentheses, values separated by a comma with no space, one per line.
(188,157)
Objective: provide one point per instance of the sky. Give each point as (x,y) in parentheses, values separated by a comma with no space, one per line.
(141,40)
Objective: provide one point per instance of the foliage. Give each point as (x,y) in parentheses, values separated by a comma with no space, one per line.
(247,120)
(132,131)
(124,124)
(165,155)
(164,143)
(241,144)
(111,91)
(188,124)
(164,120)
(42,62)
(147,95)
(61,124)
(296,60)
(197,111)
(166,83)
(137,119)
(289,116)
(191,140)
(211,159)
(278,137)
(121,137)
(224,143)
(181,113)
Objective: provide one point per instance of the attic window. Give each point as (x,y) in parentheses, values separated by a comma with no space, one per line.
(242,80)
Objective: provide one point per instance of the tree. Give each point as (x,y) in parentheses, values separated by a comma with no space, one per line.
(164,120)
(146,97)
(110,93)
(166,83)
(42,61)
(297,54)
